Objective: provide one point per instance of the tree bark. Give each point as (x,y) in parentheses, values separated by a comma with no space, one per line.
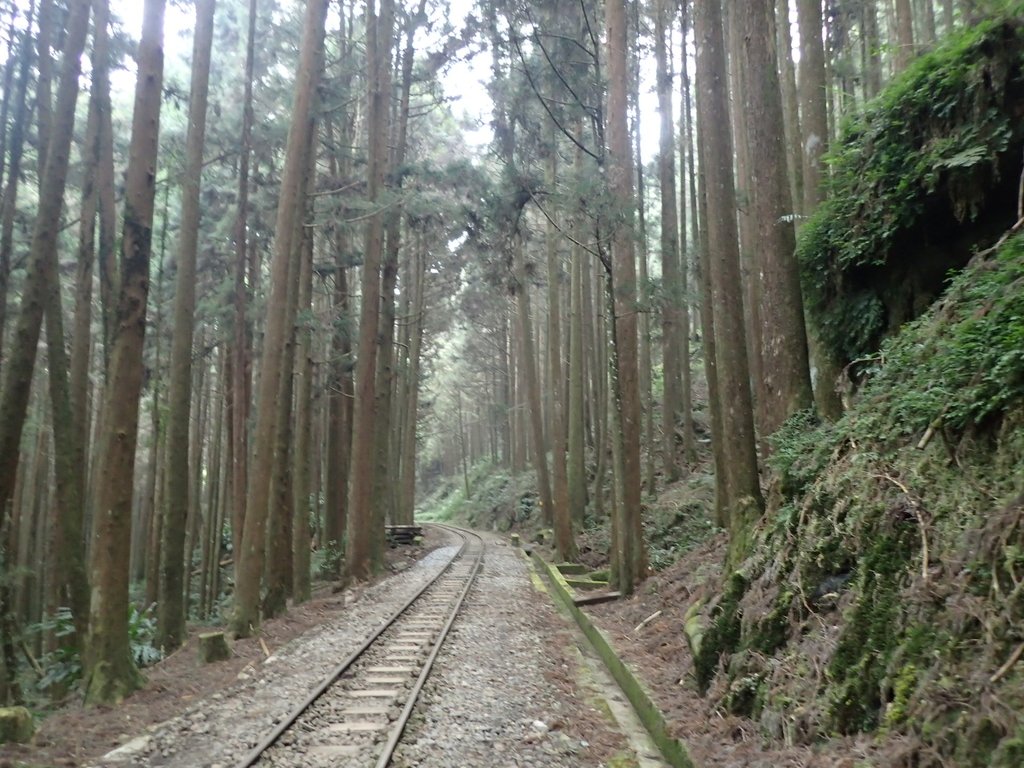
(785,384)
(528,360)
(40,293)
(564,541)
(361,547)
(791,104)
(744,502)
(241,368)
(170,606)
(904,34)
(814,122)
(16,152)
(625,370)
(673,297)
(245,617)
(301,469)
(109,670)
(576,466)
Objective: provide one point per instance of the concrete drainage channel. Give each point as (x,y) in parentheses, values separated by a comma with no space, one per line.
(673,750)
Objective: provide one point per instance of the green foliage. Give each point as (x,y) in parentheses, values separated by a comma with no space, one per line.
(927,148)
(678,521)
(62,667)
(327,560)
(141,631)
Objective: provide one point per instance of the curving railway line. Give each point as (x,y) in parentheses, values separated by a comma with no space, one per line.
(357,714)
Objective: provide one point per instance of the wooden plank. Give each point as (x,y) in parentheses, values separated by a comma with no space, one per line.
(603,597)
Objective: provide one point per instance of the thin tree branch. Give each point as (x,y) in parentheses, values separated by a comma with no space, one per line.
(543,101)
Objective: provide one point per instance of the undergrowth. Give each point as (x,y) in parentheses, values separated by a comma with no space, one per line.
(894,548)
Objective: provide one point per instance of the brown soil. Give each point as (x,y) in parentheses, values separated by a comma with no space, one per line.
(75,735)
(659,655)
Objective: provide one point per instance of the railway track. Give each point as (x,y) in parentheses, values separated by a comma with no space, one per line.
(356,715)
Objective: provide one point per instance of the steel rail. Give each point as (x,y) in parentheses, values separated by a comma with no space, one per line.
(253,756)
(414,694)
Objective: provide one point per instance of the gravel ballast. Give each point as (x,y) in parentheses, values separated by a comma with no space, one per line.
(218,731)
(504,691)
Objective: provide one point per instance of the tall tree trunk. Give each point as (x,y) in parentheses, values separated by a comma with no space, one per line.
(417,312)
(813,113)
(301,467)
(686,160)
(109,670)
(41,294)
(904,34)
(250,557)
(871,57)
(9,207)
(528,361)
(785,384)
(94,157)
(744,502)
(625,370)
(241,384)
(8,86)
(171,609)
(44,79)
(361,547)
(674,297)
(814,122)
(790,103)
(561,514)
(748,238)
(576,467)
(926,21)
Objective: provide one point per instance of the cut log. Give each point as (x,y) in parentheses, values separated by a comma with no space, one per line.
(213,646)
(16,726)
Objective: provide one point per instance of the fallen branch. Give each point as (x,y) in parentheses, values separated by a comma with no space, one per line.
(1014,658)
(266,651)
(920,521)
(32,660)
(646,621)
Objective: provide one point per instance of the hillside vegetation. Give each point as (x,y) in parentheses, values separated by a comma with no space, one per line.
(888,594)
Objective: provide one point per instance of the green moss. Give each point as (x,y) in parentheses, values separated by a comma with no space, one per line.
(745,695)
(902,689)
(771,632)
(723,636)
(869,638)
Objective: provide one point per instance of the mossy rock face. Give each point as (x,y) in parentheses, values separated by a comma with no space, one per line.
(16,725)
(723,635)
(926,172)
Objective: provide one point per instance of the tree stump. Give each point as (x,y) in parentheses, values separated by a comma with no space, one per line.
(16,726)
(515,539)
(213,646)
